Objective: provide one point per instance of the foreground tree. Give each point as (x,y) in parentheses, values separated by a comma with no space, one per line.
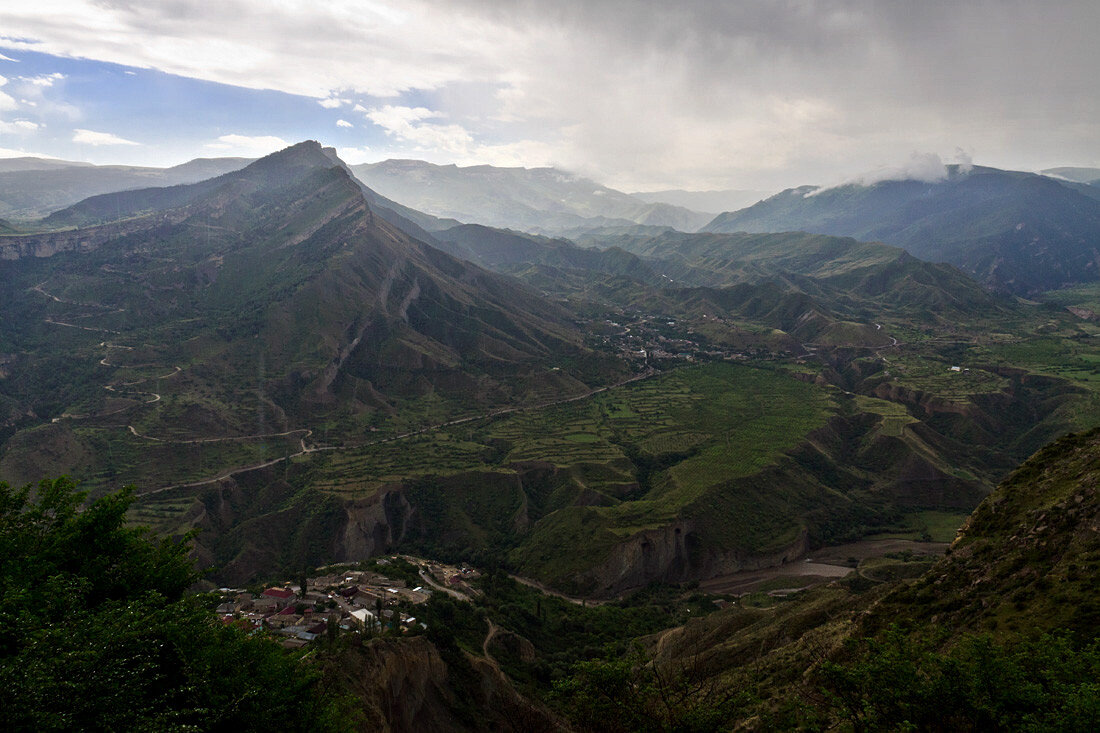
(96,632)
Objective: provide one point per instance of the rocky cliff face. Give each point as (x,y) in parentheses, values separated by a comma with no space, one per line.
(410,685)
(75,240)
(674,554)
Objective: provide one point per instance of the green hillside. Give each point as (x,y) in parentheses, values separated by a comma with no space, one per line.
(256,308)
(1019,232)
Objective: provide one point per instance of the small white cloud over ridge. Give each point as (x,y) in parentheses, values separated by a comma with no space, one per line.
(91,137)
(248,145)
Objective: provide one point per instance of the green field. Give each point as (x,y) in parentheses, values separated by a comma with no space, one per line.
(720,421)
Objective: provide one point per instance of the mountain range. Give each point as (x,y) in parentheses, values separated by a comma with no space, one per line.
(296,369)
(280,269)
(539,200)
(730,199)
(1020,232)
(33,187)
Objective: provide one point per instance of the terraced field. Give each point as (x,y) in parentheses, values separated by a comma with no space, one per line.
(714,422)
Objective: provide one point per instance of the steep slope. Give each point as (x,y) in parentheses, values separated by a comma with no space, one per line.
(274,291)
(513,252)
(30,188)
(1015,231)
(1023,565)
(1026,560)
(542,200)
(837,271)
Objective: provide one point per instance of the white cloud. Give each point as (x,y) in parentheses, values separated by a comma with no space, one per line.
(407,124)
(332,102)
(8,58)
(925,167)
(522,153)
(355,156)
(7,103)
(247,145)
(359,108)
(91,137)
(43,80)
(343,123)
(12,153)
(18,127)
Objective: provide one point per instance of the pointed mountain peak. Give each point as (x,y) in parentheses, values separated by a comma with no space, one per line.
(304,155)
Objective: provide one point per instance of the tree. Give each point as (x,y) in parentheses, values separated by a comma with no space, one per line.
(97,632)
(902,682)
(636,693)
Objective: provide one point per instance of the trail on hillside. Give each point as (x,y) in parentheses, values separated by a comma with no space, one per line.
(314,449)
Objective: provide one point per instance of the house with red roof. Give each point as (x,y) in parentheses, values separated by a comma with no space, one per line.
(281,596)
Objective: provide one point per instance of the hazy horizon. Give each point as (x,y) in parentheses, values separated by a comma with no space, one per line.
(638,96)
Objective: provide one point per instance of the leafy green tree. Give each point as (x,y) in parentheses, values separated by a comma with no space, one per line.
(96,632)
(897,682)
(634,693)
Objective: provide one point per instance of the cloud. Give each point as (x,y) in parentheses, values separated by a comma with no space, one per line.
(332,102)
(91,137)
(8,58)
(248,145)
(925,167)
(643,94)
(343,123)
(18,127)
(355,156)
(42,80)
(12,153)
(7,103)
(964,160)
(407,124)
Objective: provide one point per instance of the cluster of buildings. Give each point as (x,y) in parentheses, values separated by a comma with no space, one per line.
(654,337)
(334,603)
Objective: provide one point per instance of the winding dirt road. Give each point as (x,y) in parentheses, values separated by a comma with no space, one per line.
(315,449)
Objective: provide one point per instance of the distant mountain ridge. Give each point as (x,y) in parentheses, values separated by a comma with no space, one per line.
(538,200)
(1074,173)
(34,187)
(1020,232)
(729,199)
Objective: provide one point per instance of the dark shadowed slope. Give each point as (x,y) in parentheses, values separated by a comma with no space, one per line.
(1016,231)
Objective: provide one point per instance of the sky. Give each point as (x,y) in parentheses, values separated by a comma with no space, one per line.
(639,95)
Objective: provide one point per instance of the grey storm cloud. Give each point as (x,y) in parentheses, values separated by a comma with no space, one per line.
(652,94)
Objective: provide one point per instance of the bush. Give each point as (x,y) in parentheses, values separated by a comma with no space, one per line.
(96,632)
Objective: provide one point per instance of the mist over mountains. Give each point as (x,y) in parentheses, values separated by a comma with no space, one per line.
(539,200)
(1020,232)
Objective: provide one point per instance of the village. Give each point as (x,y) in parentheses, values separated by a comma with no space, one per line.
(345,598)
(652,338)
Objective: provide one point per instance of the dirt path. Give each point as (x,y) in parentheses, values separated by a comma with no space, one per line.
(316,449)
(485,644)
(551,592)
(82,328)
(443,589)
(824,565)
(803,573)
(228,438)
